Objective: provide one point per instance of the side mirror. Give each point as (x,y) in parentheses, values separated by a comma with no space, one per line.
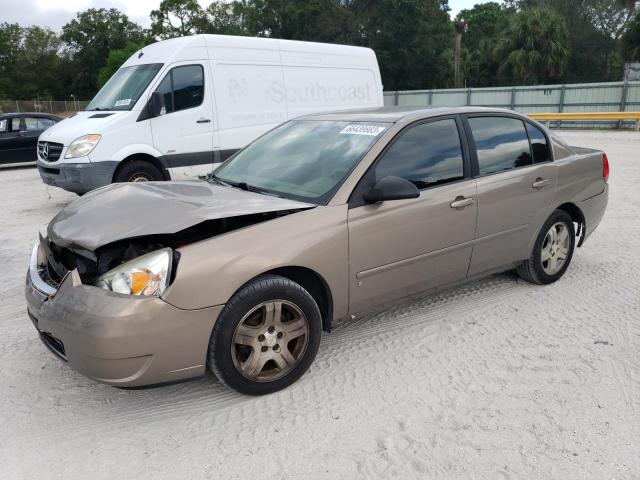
(156,104)
(391,188)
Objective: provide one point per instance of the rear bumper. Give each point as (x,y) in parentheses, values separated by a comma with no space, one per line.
(77,177)
(593,210)
(118,339)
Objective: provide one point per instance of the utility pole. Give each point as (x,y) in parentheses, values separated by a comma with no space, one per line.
(461,27)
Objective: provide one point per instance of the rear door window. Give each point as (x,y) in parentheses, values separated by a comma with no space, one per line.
(428,154)
(31,124)
(501,143)
(44,123)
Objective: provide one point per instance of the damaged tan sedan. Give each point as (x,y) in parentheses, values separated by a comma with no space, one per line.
(325,217)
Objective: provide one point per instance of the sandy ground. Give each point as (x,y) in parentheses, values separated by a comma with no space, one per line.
(497,379)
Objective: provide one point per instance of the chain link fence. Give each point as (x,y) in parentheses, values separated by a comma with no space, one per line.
(62,108)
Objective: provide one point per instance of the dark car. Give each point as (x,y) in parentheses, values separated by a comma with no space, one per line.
(19,134)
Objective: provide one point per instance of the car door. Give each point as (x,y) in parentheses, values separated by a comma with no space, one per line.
(515,190)
(184,130)
(12,143)
(31,129)
(5,140)
(400,247)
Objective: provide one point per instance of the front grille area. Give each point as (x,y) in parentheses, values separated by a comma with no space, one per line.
(54,344)
(50,151)
(61,260)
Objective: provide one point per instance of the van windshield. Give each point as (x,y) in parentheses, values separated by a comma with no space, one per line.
(124,88)
(303,160)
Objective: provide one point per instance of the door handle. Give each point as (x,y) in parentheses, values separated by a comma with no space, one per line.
(461,202)
(203,120)
(541,183)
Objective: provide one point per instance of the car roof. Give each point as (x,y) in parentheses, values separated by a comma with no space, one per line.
(396,114)
(29,114)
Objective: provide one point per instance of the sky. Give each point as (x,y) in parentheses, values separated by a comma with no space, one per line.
(54,14)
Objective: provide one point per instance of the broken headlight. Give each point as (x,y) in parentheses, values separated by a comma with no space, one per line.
(146,275)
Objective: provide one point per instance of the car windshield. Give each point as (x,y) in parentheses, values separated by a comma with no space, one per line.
(124,88)
(302,160)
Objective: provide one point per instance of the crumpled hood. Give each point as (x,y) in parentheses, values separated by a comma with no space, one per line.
(128,210)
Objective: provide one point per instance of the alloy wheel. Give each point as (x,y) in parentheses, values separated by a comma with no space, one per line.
(270,340)
(555,248)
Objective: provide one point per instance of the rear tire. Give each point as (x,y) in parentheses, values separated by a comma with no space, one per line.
(138,171)
(266,337)
(552,252)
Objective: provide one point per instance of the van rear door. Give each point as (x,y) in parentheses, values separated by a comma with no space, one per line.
(184,130)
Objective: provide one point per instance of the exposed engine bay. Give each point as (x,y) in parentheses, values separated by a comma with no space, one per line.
(93,264)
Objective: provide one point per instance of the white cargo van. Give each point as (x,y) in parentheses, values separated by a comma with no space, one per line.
(179,107)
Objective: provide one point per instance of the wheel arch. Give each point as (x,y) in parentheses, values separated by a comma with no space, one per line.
(145,157)
(577,216)
(313,283)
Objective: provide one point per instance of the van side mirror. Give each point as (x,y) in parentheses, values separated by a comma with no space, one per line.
(155,105)
(391,188)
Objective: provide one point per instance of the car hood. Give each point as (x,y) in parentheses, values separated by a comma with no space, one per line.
(79,124)
(128,210)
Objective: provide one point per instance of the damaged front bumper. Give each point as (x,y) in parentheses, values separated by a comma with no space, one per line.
(77,177)
(117,339)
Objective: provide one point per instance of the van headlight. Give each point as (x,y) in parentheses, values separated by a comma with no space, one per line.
(82,146)
(146,275)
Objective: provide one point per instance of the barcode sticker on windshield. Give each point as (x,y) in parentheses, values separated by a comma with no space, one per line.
(362,129)
(123,103)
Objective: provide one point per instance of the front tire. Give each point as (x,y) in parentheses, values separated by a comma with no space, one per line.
(138,171)
(266,337)
(552,252)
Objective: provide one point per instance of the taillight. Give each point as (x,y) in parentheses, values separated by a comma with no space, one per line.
(605,168)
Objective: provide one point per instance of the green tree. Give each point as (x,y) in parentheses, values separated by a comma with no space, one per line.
(10,40)
(595,28)
(224,18)
(413,40)
(485,24)
(30,64)
(89,38)
(177,18)
(313,20)
(38,63)
(114,61)
(631,40)
(534,47)
(610,17)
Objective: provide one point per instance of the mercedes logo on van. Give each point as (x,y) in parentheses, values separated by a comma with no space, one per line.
(45,150)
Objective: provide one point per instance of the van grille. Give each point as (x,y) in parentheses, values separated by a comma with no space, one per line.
(50,151)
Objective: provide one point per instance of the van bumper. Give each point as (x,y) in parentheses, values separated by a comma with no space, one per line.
(77,177)
(116,339)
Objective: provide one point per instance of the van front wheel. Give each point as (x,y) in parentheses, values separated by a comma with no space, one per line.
(138,171)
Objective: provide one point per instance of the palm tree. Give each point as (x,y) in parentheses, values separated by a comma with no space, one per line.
(534,47)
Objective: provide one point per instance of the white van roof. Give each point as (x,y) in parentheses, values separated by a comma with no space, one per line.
(255,49)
